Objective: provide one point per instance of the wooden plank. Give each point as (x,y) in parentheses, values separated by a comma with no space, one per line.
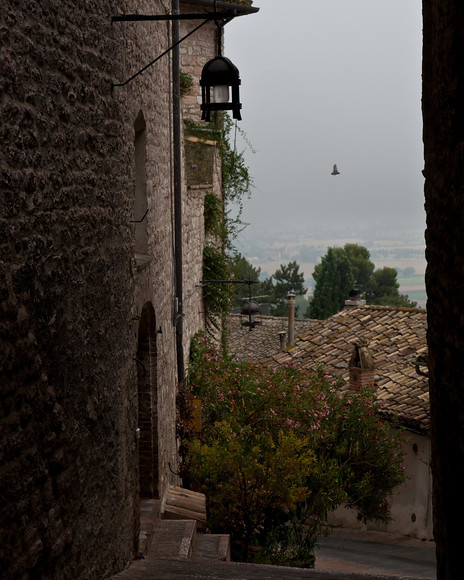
(185,504)
(177,489)
(187,496)
(172,512)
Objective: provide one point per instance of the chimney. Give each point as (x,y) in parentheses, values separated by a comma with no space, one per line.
(291,319)
(354,300)
(282,336)
(361,368)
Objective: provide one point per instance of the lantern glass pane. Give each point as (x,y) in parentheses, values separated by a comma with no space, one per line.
(221,94)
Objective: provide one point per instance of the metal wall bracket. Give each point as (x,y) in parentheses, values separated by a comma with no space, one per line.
(224,16)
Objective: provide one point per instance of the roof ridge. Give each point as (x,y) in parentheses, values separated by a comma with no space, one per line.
(381,307)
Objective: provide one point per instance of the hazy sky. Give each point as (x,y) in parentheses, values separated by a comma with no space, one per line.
(324,82)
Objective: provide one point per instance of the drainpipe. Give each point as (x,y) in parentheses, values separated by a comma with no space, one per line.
(176,113)
(291,319)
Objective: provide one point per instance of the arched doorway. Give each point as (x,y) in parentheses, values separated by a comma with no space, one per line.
(147,403)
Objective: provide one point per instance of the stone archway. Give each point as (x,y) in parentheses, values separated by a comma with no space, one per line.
(147,403)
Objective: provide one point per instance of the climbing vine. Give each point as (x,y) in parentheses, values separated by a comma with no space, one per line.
(223,218)
(214,216)
(186,83)
(237,182)
(217,296)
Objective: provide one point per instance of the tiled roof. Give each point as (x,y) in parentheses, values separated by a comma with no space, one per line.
(395,336)
(263,341)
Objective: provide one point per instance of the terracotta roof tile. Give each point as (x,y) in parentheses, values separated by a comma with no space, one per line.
(395,336)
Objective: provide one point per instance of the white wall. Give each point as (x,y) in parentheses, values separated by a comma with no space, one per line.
(411,503)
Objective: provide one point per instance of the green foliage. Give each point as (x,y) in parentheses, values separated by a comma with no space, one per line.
(273,290)
(186,83)
(278,449)
(343,269)
(237,182)
(216,296)
(301,306)
(384,289)
(397,300)
(236,179)
(361,265)
(213,216)
(287,279)
(384,282)
(219,222)
(242,269)
(334,280)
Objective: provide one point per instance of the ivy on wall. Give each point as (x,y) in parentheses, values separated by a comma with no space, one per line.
(186,83)
(217,296)
(214,216)
(222,218)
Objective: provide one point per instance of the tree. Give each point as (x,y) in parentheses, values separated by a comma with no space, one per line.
(334,280)
(278,449)
(242,269)
(287,279)
(361,265)
(384,282)
(384,289)
(332,287)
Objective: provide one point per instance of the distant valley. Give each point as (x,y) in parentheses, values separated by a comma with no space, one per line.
(402,249)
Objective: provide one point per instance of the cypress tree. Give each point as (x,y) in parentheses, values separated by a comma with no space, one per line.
(333,284)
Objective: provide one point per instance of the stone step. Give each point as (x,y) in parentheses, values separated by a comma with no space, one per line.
(211,547)
(172,539)
(149,513)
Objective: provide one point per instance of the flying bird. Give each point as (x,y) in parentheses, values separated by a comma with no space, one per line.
(335,171)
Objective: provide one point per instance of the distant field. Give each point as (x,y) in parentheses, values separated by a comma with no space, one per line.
(414,287)
(416,280)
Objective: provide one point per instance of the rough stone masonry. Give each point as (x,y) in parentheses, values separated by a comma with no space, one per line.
(78,302)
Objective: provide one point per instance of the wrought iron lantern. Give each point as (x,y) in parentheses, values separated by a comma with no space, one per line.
(221,78)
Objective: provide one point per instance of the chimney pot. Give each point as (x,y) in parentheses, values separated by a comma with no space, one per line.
(354,300)
(361,368)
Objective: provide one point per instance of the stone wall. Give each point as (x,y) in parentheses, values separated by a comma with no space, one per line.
(410,503)
(78,305)
(146,103)
(69,477)
(202,168)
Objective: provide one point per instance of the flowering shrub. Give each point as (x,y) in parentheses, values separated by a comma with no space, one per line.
(278,449)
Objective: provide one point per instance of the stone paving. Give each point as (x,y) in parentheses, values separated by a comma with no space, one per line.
(170,569)
(174,550)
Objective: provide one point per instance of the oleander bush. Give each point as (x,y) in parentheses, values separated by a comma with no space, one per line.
(278,449)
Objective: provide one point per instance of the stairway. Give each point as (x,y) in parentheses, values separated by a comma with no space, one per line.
(183,514)
(170,529)
(180,539)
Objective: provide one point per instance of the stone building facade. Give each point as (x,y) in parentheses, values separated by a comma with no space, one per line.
(87,282)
